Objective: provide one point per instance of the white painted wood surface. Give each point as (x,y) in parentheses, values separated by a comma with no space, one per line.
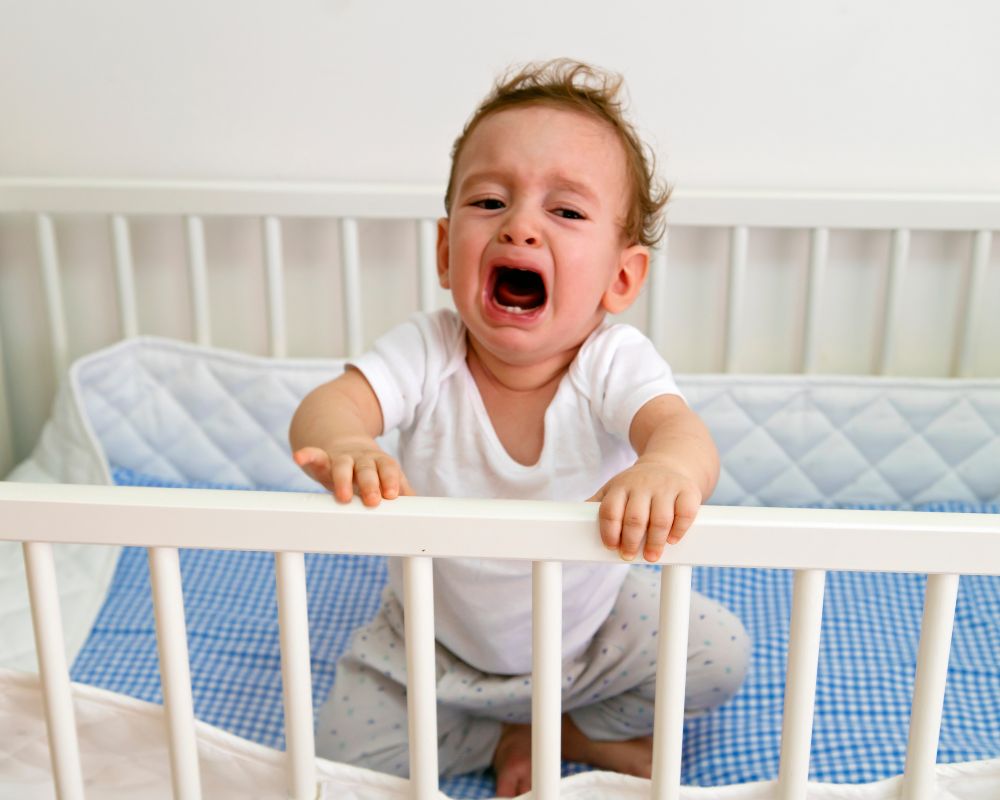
(175,671)
(421,667)
(783,538)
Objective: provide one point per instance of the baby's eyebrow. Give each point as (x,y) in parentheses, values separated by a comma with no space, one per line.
(554,181)
(575,186)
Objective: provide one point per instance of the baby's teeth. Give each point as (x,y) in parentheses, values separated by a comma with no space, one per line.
(514,309)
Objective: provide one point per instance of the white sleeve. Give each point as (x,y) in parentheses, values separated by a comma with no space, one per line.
(396,368)
(624,371)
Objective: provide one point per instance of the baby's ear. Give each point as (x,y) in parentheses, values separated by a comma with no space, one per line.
(630,274)
(442,253)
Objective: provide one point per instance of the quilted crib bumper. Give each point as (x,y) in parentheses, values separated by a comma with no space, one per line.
(186,413)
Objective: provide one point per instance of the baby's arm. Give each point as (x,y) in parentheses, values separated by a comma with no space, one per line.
(333,440)
(658,497)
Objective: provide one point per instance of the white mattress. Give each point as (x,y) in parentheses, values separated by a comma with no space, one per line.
(186,413)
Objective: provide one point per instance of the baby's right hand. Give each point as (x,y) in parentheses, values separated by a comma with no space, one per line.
(364,466)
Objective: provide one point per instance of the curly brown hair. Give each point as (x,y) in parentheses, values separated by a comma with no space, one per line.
(570,84)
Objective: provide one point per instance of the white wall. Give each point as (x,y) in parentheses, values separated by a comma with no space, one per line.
(880,94)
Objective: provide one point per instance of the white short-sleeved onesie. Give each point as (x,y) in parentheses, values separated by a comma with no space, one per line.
(448,447)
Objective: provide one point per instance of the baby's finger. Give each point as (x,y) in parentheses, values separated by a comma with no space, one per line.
(661,517)
(366,477)
(388,475)
(314,462)
(342,478)
(634,524)
(597,496)
(404,485)
(610,517)
(685,510)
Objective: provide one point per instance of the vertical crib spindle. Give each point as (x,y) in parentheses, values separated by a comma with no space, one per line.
(46,618)
(968,313)
(175,671)
(198,273)
(6,431)
(275,287)
(898,253)
(928,688)
(671,674)
(428,264)
(800,683)
(125,276)
(738,240)
(656,302)
(421,695)
(350,264)
(48,255)
(546,697)
(819,245)
(296,676)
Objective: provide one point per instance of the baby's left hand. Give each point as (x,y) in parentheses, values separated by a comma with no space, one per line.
(647,501)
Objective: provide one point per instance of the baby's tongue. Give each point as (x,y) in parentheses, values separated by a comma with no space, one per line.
(523,293)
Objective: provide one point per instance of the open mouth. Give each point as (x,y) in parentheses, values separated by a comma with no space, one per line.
(518,291)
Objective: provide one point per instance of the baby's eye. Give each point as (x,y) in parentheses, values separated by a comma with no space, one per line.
(489,203)
(568,213)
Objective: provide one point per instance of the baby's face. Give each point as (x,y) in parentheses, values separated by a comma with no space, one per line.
(534,240)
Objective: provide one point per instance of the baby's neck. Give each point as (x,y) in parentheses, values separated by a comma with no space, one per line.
(535,376)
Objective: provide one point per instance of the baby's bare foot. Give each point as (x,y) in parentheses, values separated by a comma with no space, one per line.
(512,761)
(631,757)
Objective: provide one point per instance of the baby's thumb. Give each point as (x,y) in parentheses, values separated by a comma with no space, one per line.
(313,461)
(598,495)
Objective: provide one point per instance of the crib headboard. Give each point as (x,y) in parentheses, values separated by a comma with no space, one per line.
(744,281)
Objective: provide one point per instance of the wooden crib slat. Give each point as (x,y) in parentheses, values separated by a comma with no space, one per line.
(738,242)
(124,276)
(656,301)
(428,264)
(48,254)
(274,266)
(175,671)
(898,254)
(350,265)
(421,694)
(969,312)
(546,676)
(940,596)
(46,618)
(7,456)
(198,275)
(296,675)
(800,683)
(671,675)
(819,246)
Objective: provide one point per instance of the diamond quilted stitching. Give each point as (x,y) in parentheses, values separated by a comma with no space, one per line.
(898,467)
(982,472)
(729,422)
(958,432)
(833,463)
(877,429)
(799,426)
(755,460)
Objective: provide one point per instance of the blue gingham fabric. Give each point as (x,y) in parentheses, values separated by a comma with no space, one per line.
(871,626)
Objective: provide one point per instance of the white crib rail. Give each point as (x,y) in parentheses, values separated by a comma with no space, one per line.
(943,545)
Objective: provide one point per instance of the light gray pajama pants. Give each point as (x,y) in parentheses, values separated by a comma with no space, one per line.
(608,691)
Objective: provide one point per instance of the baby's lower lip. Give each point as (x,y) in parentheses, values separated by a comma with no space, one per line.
(505,314)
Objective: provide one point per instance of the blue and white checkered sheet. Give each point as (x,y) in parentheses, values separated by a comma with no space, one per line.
(871,626)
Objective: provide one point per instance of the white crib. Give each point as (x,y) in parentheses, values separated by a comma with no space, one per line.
(809,541)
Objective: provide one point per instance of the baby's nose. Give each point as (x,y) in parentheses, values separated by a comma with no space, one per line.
(520,230)
(526,239)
